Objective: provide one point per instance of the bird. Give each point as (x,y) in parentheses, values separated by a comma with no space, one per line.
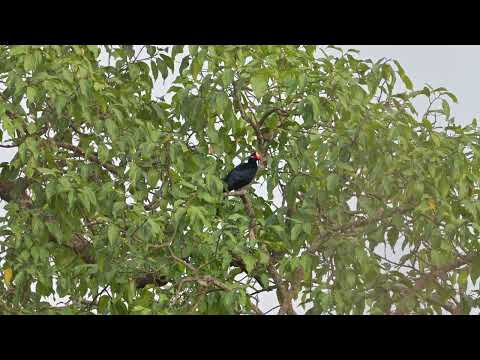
(243,174)
(239,177)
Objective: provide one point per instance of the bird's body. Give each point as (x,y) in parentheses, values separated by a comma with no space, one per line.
(243,174)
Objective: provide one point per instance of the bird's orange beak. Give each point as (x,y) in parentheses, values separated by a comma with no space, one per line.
(258,156)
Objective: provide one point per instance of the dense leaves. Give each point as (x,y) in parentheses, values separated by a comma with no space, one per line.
(115,204)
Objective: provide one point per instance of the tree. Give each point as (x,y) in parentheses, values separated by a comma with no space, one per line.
(114,199)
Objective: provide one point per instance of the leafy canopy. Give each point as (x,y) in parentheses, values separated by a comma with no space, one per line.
(114,203)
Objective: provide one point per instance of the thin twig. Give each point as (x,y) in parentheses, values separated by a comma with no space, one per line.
(93,158)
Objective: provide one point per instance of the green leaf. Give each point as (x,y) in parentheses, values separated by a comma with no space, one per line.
(264,257)
(177,49)
(103,153)
(141,310)
(436,139)
(249,261)
(117,208)
(392,237)
(207,198)
(88,199)
(350,279)
(221,102)
(45,171)
(154,67)
(193,49)
(227,77)
(156,229)
(60,102)
(451,96)
(475,269)
(296,230)
(29,62)
(103,304)
(446,108)
(397,220)
(196,66)
(18,50)
(153,176)
(8,125)
(55,230)
(90,195)
(84,87)
(179,214)
(85,202)
(332,182)
(307,265)
(111,128)
(184,64)
(71,200)
(259,84)
(50,190)
(406,80)
(38,226)
(168,61)
(163,68)
(293,163)
(196,213)
(134,173)
(463,279)
(279,230)
(31,93)
(315,105)
(113,234)
(94,50)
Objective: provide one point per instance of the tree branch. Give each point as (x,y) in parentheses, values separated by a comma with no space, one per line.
(422,282)
(247,118)
(8,146)
(78,243)
(283,294)
(79,152)
(251,213)
(270,112)
(236,193)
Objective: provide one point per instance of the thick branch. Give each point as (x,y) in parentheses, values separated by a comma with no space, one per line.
(144,280)
(236,193)
(283,294)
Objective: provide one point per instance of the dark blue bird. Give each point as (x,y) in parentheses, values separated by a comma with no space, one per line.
(243,174)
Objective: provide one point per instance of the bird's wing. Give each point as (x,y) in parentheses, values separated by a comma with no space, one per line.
(228,175)
(232,177)
(235,171)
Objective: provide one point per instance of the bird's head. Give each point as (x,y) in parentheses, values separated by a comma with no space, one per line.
(256,156)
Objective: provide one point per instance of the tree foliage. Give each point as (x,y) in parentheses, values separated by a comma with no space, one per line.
(114,203)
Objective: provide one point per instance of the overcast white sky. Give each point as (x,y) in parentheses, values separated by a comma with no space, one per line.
(455,67)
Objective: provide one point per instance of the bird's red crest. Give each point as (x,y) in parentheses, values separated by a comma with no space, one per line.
(256,156)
